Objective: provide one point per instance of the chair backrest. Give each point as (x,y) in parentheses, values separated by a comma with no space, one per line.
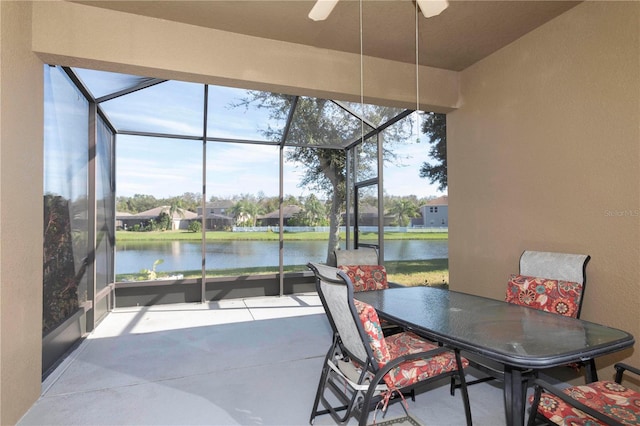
(359,256)
(336,293)
(366,277)
(554,266)
(361,266)
(552,282)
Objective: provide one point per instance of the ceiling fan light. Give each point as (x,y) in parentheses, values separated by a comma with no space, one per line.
(430,8)
(322,9)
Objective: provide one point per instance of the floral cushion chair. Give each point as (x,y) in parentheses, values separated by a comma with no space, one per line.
(548,281)
(370,278)
(366,277)
(556,296)
(599,403)
(433,361)
(365,369)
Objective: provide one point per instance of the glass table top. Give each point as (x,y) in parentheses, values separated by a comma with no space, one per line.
(512,334)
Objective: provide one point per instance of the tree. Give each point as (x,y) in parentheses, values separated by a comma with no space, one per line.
(61,278)
(163,222)
(403,210)
(238,212)
(315,211)
(190,201)
(252,209)
(434,125)
(320,122)
(195,226)
(246,210)
(175,208)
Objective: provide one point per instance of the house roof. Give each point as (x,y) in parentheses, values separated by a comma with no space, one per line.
(287,211)
(155,212)
(216,216)
(440,201)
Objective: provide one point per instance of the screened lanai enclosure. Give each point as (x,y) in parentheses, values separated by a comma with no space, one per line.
(216,161)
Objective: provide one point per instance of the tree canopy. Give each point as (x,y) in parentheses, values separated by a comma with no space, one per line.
(434,125)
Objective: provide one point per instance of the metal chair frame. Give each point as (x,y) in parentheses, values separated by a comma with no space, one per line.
(359,395)
(541,385)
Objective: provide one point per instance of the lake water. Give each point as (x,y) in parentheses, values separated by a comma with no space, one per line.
(184,255)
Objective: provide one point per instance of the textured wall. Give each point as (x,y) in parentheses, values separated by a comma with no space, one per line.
(544,154)
(21,129)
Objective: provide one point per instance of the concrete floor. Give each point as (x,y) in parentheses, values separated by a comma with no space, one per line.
(252,361)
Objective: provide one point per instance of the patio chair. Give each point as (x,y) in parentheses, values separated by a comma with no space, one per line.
(362,268)
(363,368)
(359,256)
(565,279)
(549,281)
(597,403)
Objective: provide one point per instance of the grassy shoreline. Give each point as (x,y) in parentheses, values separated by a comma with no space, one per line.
(406,272)
(125,236)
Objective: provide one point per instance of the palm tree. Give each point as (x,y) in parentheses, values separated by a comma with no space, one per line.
(238,211)
(253,209)
(174,208)
(404,210)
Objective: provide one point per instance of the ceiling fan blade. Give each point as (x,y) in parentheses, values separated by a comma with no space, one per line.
(322,9)
(430,8)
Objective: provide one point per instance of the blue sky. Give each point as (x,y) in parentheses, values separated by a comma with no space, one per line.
(169,167)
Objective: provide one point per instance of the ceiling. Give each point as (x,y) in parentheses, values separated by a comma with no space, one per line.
(463,34)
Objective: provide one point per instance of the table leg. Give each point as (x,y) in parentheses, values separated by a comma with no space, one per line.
(513,396)
(591,372)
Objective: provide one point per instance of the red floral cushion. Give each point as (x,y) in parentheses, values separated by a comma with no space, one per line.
(366,277)
(610,398)
(386,349)
(559,297)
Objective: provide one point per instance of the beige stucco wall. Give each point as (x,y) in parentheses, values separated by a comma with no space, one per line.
(544,154)
(21,130)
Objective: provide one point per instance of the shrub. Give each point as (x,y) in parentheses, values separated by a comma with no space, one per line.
(195,226)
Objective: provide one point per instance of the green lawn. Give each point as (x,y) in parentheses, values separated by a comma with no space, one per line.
(408,272)
(265,236)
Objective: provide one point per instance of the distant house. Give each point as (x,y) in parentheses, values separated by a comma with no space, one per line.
(273,218)
(122,219)
(435,213)
(218,207)
(181,218)
(368,216)
(217,214)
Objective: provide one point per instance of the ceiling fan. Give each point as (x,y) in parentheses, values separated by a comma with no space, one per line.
(429,8)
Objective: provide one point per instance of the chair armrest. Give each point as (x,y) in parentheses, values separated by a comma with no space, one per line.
(541,385)
(409,357)
(622,367)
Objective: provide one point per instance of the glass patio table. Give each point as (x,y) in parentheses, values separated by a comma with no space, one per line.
(517,337)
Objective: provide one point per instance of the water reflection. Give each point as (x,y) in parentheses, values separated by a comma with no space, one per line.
(131,257)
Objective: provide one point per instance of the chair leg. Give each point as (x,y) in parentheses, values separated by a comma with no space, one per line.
(366,403)
(321,384)
(463,389)
(534,406)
